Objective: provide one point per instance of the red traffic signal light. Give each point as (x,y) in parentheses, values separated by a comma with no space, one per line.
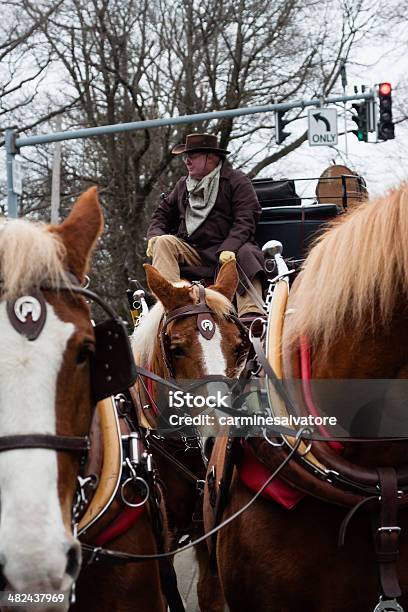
(385,127)
(385,89)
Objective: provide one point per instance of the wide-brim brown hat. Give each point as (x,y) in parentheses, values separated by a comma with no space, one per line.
(206,143)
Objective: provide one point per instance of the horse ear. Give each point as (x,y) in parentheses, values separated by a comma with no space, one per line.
(170,296)
(80,231)
(227,280)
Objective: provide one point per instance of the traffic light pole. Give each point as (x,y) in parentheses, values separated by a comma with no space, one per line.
(14,143)
(343,75)
(12,201)
(345,131)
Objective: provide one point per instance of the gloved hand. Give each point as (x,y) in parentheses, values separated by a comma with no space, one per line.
(226,256)
(150,245)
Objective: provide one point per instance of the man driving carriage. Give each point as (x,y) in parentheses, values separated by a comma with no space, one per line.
(208,219)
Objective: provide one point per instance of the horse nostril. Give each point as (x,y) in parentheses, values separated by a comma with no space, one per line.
(73,561)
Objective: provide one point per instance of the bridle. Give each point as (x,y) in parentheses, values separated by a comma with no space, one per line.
(206,326)
(112,366)
(112,370)
(204,322)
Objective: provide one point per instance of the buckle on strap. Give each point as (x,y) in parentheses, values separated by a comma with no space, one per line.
(387,535)
(387,543)
(388,605)
(389,530)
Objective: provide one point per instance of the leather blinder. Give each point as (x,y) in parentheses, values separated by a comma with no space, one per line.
(112,365)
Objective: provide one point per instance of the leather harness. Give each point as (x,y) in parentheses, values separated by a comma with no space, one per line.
(112,371)
(206,327)
(383,490)
(105,377)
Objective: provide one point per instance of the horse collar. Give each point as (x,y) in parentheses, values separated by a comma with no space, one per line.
(27,314)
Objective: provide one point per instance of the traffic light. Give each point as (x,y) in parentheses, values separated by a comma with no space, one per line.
(385,128)
(280,124)
(361,119)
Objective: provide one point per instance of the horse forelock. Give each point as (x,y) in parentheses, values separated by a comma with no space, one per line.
(29,256)
(354,274)
(218,303)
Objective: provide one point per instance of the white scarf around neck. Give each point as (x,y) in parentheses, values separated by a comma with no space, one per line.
(201,198)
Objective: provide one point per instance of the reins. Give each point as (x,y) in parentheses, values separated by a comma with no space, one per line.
(106,380)
(78,444)
(188,474)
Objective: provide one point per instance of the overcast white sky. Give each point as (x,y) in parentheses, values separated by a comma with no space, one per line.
(383,164)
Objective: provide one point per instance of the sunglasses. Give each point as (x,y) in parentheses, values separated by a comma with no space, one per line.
(194,155)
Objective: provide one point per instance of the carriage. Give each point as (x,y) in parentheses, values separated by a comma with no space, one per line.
(295,220)
(137,494)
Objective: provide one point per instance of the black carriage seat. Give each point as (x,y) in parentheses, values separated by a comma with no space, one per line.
(276,193)
(294,226)
(284,218)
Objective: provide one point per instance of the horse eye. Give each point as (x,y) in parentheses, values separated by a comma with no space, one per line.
(178,351)
(84,351)
(239,346)
(241,349)
(240,353)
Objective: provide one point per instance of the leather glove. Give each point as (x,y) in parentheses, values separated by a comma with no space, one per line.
(150,245)
(226,256)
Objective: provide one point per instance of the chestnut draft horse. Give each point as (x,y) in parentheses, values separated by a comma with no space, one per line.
(340,185)
(45,416)
(351,303)
(187,355)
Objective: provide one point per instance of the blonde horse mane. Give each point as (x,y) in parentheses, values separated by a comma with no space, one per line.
(355,273)
(30,255)
(145,335)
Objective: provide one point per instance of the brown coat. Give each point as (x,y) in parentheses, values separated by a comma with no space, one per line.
(230,226)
